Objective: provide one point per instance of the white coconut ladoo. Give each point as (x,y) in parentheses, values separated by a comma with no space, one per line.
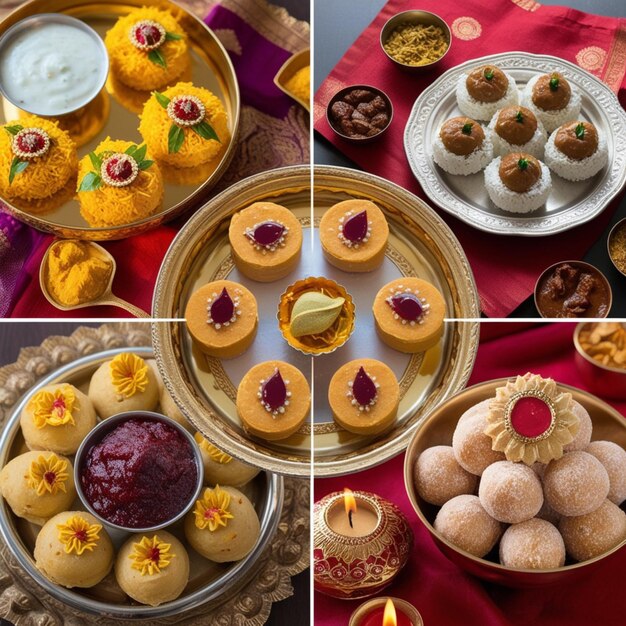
(576,152)
(517,129)
(461,147)
(552,99)
(518,182)
(485,90)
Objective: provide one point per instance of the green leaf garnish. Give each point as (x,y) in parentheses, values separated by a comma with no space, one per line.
(145,164)
(137,152)
(488,73)
(175,139)
(156,56)
(205,130)
(90,182)
(13,130)
(17,166)
(554,83)
(519,117)
(96,161)
(522,164)
(162,99)
(580,130)
(172,36)
(467,128)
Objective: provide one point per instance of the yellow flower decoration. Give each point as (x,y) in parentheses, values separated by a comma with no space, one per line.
(48,475)
(129,374)
(53,408)
(78,535)
(214,453)
(531,420)
(150,556)
(212,510)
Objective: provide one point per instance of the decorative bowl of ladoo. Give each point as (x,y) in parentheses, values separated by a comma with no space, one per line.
(113,504)
(521,481)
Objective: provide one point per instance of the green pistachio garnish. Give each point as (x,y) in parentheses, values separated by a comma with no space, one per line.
(519,117)
(467,128)
(488,73)
(580,130)
(554,83)
(522,164)
(313,313)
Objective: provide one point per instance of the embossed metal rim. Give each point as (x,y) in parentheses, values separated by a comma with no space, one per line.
(164,306)
(215,591)
(422,165)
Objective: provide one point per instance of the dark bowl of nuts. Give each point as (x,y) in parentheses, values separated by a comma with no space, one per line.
(359,113)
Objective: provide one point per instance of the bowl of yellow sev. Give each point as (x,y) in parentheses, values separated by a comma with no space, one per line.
(415,40)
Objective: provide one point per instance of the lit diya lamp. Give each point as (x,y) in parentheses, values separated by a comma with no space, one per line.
(386,612)
(361,542)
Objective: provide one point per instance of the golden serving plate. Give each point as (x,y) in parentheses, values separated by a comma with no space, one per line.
(437,429)
(210,68)
(209,583)
(205,388)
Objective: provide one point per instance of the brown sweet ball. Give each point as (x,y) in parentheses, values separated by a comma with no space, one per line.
(593,534)
(438,477)
(533,544)
(575,484)
(546,512)
(583,436)
(510,492)
(472,448)
(464,522)
(613,457)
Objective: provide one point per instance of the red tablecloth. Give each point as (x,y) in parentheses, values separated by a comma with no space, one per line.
(505,268)
(444,594)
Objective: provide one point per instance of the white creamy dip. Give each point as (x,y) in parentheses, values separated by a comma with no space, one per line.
(52,68)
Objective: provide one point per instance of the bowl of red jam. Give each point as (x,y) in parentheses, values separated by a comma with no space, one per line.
(138,471)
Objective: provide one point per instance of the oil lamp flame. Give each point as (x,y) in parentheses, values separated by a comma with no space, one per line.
(389,616)
(350,503)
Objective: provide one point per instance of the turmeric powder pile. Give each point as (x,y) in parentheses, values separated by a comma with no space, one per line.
(76,272)
(300,83)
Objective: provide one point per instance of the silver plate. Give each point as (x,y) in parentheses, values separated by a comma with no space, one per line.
(208,590)
(570,204)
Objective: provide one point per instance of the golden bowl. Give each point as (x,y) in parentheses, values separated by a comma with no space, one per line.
(332,338)
(617,228)
(606,381)
(608,424)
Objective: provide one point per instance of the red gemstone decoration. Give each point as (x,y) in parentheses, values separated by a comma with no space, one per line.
(407,306)
(274,392)
(30,142)
(266,234)
(187,110)
(147,34)
(355,227)
(222,308)
(119,169)
(363,388)
(530,417)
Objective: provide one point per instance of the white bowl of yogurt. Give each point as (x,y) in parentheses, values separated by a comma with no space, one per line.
(52,64)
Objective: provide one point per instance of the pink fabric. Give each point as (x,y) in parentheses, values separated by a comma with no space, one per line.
(443,593)
(505,268)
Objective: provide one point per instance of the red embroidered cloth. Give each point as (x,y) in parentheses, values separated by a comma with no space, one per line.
(443,593)
(505,268)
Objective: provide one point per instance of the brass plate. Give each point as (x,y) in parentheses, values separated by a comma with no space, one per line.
(211,68)
(209,583)
(437,429)
(205,389)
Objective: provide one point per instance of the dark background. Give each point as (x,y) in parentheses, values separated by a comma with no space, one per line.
(338,24)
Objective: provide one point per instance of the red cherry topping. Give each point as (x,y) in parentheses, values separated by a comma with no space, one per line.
(355,227)
(407,306)
(147,35)
(364,389)
(267,234)
(186,110)
(30,143)
(50,477)
(531,417)
(222,308)
(274,393)
(119,170)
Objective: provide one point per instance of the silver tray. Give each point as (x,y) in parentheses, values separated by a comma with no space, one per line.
(209,584)
(570,204)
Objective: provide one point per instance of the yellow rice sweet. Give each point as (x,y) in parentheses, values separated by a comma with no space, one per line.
(44,175)
(114,206)
(300,83)
(132,66)
(155,125)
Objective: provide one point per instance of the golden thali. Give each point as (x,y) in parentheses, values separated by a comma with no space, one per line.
(211,68)
(205,388)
